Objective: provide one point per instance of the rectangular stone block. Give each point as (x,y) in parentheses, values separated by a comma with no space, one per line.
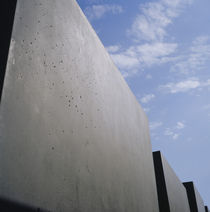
(194,198)
(172,195)
(72,135)
(7,12)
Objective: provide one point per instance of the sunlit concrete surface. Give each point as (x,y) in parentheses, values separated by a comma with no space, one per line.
(72,135)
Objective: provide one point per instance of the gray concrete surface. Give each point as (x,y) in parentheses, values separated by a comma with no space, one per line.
(194,198)
(172,193)
(72,135)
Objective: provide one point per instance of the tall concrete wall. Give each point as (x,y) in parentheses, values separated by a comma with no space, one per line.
(7,12)
(172,194)
(72,135)
(194,198)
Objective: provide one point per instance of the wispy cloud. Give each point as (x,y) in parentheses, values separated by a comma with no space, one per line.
(195,59)
(98,11)
(155,125)
(143,56)
(180,125)
(169,132)
(184,86)
(175,136)
(206,107)
(125,61)
(148,76)
(147,98)
(154,53)
(154,17)
(174,132)
(149,31)
(146,109)
(113,49)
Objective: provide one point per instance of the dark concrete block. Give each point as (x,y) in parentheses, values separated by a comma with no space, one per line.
(206,209)
(172,195)
(72,135)
(194,198)
(7,12)
(7,205)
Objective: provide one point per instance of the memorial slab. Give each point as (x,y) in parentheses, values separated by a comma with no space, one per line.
(194,198)
(72,135)
(172,194)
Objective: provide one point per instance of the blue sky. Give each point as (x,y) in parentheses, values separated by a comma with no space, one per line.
(162,48)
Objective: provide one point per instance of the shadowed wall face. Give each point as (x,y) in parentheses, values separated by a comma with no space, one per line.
(7,205)
(72,135)
(7,12)
(172,195)
(194,198)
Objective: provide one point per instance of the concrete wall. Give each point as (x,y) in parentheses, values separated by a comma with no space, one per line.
(72,135)
(172,194)
(7,12)
(195,200)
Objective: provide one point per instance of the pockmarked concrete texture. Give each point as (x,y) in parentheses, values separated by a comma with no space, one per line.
(72,135)
(172,194)
(194,197)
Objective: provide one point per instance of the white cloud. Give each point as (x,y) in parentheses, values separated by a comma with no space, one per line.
(147,98)
(175,136)
(169,132)
(141,56)
(154,53)
(174,132)
(146,110)
(180,125)
(113,49)
(196,57)
(125,61)
(206,107)
(148,76)
(154,17)
(155,125)
(185,86)
(150,26)
(98,11)
(182,86)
